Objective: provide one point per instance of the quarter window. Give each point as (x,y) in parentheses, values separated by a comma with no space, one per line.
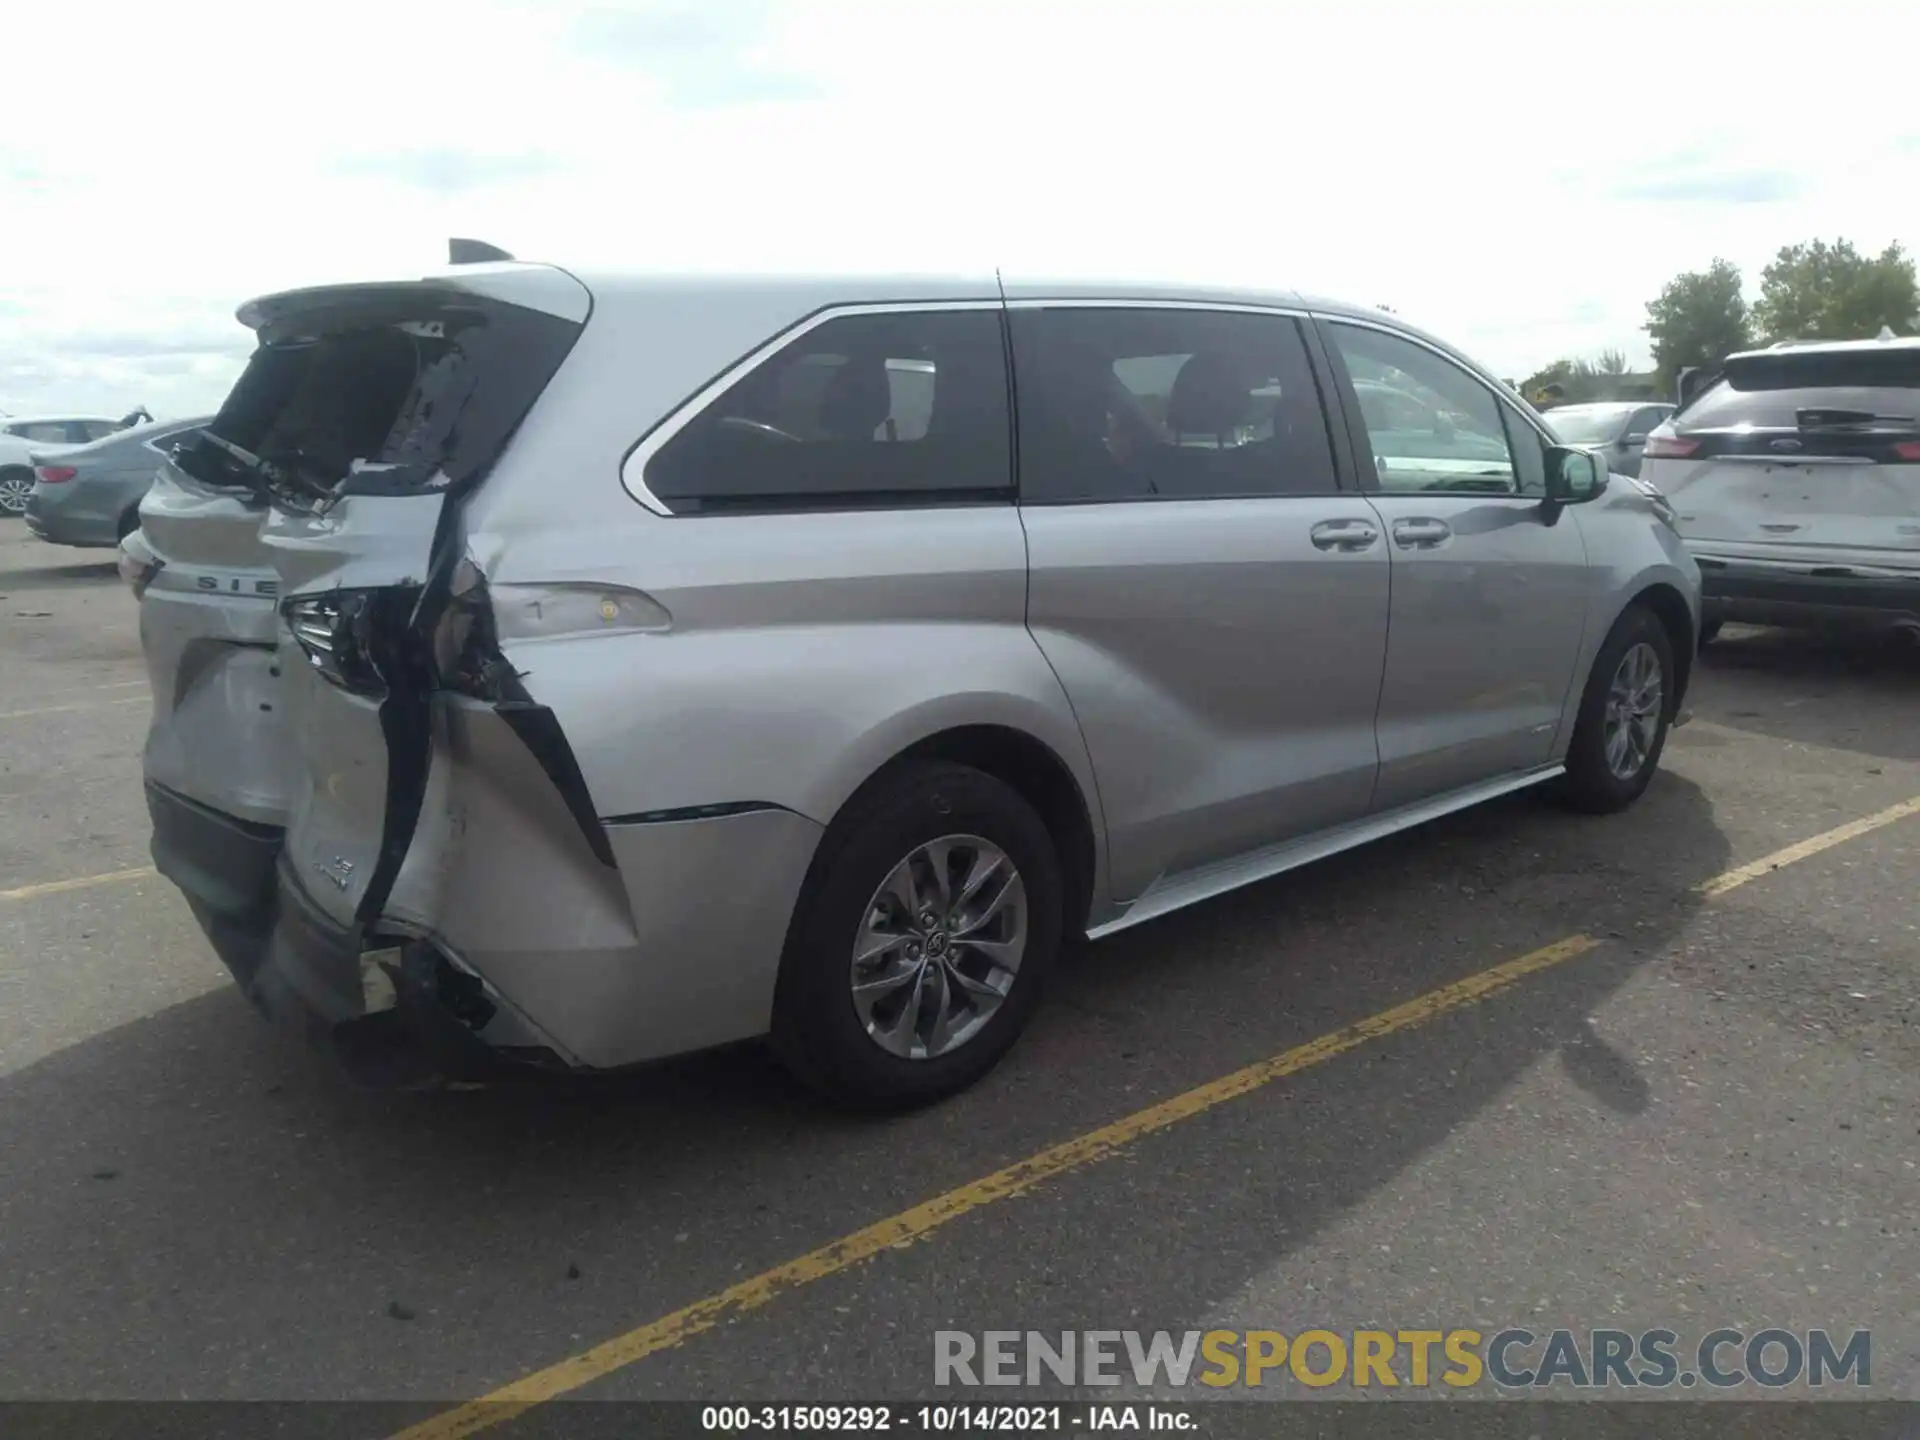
(1529,452)
(863,410)
(1430,425)
(1144,404)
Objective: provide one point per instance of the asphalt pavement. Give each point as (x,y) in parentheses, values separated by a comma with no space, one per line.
(1708,1116)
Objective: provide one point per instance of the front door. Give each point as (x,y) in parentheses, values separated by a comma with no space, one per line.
(1489,584)
(1213,600)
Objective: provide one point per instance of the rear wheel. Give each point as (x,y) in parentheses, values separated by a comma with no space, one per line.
(931,918)
(1624,715)
(129,523)
(15,487)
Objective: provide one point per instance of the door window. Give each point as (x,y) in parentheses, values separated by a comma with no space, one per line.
(894,409)
(1177,404)
(1430,425)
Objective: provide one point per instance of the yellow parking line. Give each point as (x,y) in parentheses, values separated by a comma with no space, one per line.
(1840,834)
(903,1229)
(76,705)
(79,882)
(909,1225)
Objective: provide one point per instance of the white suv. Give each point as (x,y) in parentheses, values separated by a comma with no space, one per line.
(1795,476)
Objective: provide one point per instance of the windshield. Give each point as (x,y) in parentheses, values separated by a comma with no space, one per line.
(1589,427)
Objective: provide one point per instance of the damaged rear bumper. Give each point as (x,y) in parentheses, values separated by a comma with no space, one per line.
(395,1014)
(500,982)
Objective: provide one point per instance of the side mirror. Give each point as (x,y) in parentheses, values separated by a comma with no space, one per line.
(1574,476)
(1637,437)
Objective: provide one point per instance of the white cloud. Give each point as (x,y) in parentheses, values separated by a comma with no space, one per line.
(1521,178)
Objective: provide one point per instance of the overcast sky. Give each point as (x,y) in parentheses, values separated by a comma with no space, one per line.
(1521,179)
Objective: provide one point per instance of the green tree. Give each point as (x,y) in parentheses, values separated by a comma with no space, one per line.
(1818,291)
(1699,318)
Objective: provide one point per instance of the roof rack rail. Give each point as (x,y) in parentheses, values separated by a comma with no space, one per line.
(473,252)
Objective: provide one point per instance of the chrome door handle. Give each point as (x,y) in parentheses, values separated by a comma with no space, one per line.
(1421,534)
(1347,535)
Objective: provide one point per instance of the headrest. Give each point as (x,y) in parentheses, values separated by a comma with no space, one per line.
(1211,395)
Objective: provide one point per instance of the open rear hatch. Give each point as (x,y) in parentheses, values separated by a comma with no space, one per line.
(370,413)
(1804,454)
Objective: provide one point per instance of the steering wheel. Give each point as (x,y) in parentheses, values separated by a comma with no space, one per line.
(758,427)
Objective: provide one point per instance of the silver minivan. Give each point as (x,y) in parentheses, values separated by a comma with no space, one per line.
(573,671)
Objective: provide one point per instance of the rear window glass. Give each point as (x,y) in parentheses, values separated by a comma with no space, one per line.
(861,411)
(1770,389)
(392,399)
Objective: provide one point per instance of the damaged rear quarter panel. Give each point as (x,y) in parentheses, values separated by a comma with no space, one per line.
(674,947)
(802,653)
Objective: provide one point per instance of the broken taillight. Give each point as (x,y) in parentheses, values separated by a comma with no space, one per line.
(54,474)
(342,636)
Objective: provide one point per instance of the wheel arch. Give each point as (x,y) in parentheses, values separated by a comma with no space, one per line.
(1039,774)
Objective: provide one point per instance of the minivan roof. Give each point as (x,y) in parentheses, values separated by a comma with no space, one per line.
(557,290)
(572,294)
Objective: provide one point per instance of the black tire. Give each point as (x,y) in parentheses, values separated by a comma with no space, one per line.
(1708,633)
(817,1031)
(129,523)
(1590,784)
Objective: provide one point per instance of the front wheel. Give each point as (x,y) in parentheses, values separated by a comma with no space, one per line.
(1624,715)
(930,920)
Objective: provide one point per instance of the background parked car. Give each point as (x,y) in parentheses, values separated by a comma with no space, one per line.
(90,494)
(1795,477)
(1618,430)
(21,435)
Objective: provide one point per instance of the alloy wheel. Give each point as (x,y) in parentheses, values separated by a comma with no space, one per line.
(1633,712)
(940,947)
(14,490)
